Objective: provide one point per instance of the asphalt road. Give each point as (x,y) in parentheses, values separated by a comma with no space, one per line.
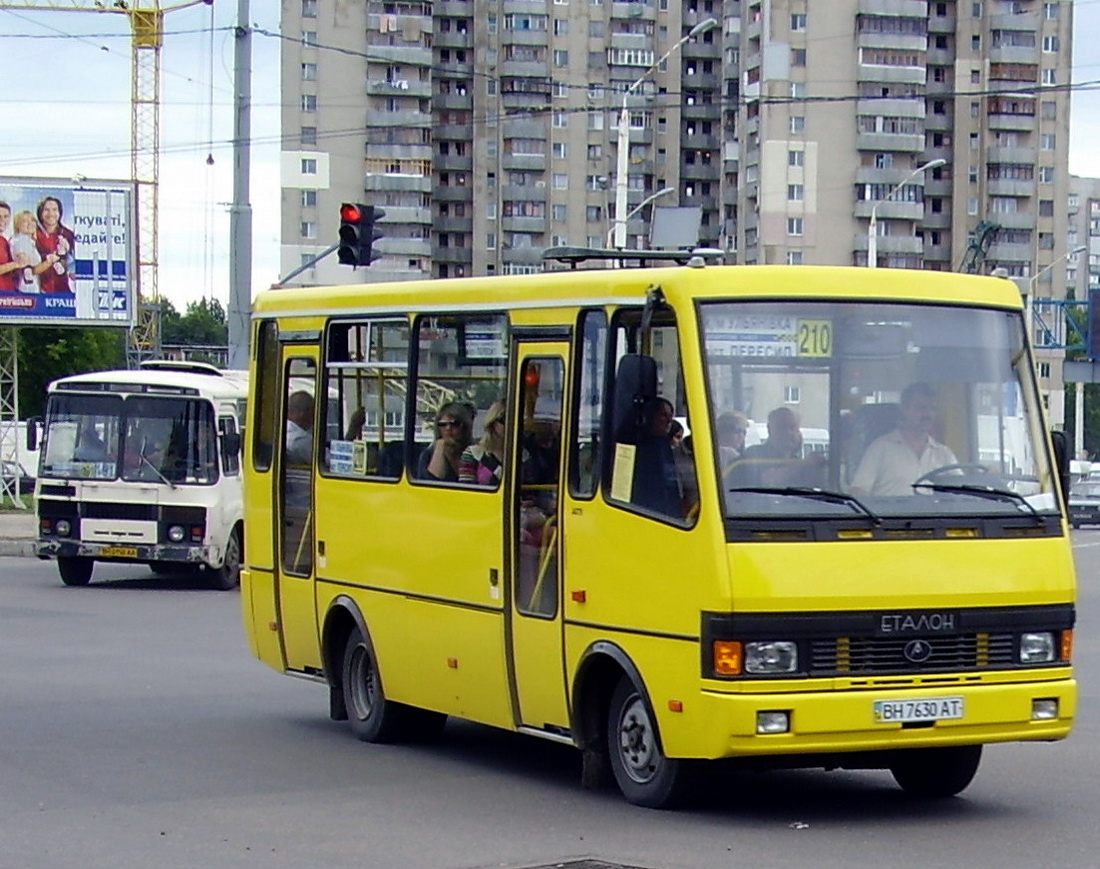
(137,731)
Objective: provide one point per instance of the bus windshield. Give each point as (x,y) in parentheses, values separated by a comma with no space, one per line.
(138,438)
(880,409)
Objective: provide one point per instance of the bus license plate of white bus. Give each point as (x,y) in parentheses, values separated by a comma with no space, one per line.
(119,552)
(918,709)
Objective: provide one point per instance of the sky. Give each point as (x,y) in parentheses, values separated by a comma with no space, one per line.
(80,124)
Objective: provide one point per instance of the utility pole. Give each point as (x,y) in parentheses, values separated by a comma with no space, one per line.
(240,214)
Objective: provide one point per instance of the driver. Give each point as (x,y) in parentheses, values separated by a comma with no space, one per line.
(896,460)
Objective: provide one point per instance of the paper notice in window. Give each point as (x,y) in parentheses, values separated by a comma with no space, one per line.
(622,472)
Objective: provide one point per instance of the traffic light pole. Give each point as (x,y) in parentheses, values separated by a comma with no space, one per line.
(240,214)
(304,267)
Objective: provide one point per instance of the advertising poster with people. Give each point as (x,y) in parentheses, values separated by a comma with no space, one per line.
(66,252)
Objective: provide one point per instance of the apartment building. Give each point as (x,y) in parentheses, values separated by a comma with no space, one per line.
(488,129)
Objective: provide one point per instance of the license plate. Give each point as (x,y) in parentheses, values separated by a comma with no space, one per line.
(119,552)
(918,709)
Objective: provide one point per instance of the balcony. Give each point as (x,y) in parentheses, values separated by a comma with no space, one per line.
(1019,123)
(453,162)
(1010,186)
(453,39)
(889,209)
(452,193)
(904,143)
(397,183)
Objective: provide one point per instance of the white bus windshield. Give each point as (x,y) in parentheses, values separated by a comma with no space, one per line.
(168,440)
(832,408)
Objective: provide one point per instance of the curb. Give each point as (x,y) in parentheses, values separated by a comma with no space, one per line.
(17,548)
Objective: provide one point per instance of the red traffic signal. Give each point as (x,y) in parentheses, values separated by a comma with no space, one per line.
(357,233)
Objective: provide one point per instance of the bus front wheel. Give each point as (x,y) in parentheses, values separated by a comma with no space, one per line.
(75,570)
(228,576)
(936,773)
(372,717)
(643,773)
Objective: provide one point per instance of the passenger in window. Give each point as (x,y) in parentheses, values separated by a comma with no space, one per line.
(731,428)
(91,447)
(483,462)
(778,461)
(440,461)
(542,452)
(299,428)
(684,461)
(897,459)
(656,485)
(355,424)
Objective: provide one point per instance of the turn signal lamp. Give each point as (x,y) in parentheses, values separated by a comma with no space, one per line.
(728,658)
(1067,646)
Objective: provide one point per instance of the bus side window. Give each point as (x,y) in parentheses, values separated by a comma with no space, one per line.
(584,473)
(230,443)
(267,400)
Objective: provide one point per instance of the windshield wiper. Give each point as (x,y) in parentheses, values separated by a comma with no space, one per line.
(815,495)
(987,492)
(151,466)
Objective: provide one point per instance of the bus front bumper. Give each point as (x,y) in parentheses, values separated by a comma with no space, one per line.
(181,553)
(848,721)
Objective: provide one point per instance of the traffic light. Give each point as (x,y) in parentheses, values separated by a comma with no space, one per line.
(358,233)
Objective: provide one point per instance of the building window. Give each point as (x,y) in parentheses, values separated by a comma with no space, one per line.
(309,72)
(309,8)
(309,102)
(309,198)
(796,158)
(560,150)
(798,57)
(561,181)
(1047,141)
(794,226)
(794,257)
(308,136)
(792,394)
(797,124)
(1050,44)
(795,193)
(1050,76)
(561,57)
(561,120)
(1046,174)
(308,229)
(798,21)
(309,166)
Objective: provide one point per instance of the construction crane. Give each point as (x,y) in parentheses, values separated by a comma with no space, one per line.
(977,246)
(147,28)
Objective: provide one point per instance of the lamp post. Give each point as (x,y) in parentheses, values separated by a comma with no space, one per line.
(664,191)
(623,141)
(872,227)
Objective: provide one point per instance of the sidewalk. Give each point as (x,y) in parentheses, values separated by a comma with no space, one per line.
(17,533)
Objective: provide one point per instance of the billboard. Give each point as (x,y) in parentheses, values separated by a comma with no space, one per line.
(67,252)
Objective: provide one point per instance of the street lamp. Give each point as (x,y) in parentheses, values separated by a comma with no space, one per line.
(872,227)
(664,191)
(1029,302)
(622,165)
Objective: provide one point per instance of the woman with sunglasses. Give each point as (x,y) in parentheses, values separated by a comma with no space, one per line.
(483,463)
(452,433)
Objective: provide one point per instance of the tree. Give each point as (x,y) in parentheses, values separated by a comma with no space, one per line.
(203,323)
(46,354)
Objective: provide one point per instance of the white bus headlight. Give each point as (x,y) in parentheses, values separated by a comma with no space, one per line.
(1037,648)
(774,656)
(176,533)
(63,528)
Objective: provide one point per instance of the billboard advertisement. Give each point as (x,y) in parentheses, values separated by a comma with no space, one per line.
(66,252)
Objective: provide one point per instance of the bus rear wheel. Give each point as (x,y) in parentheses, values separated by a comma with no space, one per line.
(643,773)
(372,717)
(75,570)
(936,773)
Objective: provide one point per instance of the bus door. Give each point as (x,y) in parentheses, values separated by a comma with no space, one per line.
(294,573)
(535,611)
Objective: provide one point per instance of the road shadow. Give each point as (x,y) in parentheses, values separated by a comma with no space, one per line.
(177,581)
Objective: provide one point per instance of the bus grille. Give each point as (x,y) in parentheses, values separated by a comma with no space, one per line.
(855,655)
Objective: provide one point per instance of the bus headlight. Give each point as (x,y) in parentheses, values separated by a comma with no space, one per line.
(1037,648)
(774,656)
(176,533)
(63,528)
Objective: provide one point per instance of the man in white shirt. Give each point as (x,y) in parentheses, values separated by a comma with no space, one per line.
(299,428)
(893,462)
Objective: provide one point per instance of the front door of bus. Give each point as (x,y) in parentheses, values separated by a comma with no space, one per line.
(535,611)
(294,511)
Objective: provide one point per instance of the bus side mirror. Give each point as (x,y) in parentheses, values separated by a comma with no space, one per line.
(32,433)
(1063,449)
(231,443)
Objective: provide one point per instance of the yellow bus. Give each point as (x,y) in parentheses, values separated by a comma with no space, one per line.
(491,519)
